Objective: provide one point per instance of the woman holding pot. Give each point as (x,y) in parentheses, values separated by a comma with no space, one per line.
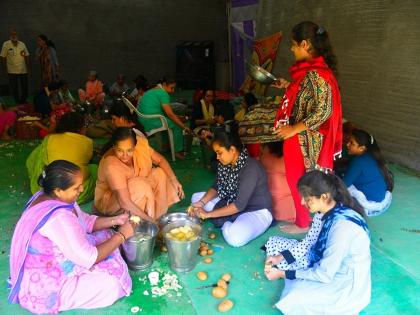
(62,258)
(309,117)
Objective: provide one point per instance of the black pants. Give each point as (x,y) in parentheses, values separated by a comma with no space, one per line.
(19,82)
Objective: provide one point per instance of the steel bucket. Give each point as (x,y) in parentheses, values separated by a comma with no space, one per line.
(138,249)
(175,216)
(182,255)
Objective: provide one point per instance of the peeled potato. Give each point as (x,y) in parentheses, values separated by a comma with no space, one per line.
(212,236)
(190,210)
(222,283)
(208,260)
(225,306)
(202,275)
(135,219)
(203,252)
(210,252)
(227,277)
(219,292)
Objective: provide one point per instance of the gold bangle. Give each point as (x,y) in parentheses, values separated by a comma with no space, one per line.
(122,236)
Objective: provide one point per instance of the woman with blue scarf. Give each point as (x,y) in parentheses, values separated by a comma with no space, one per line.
(337,280)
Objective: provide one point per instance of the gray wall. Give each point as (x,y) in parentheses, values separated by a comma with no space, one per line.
(128,36)
(377,43)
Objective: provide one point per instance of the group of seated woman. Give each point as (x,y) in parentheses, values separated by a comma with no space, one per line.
(243,201)
(132,176)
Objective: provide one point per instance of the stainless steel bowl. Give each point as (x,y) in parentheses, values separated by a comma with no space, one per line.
(176,216)
(259,74)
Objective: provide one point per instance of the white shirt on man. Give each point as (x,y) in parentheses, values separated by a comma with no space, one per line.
(15,57)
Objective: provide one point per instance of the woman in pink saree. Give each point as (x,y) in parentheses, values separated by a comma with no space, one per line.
(62,258)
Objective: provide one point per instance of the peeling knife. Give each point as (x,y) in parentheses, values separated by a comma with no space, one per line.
(209,286)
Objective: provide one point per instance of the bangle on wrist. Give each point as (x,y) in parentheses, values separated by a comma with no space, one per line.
(122,236)
(202,202)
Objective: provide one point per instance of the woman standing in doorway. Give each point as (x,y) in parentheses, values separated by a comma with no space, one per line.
(309,117)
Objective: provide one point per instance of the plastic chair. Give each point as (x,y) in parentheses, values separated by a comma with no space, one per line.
(165,126)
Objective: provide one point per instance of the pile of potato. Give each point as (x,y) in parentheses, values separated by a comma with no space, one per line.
(182,233)
(221,291)
(205,250)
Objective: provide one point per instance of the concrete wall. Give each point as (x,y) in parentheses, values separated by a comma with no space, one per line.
(128,36)
(377,43)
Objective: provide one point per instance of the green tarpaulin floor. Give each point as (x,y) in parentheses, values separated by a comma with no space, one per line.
(395,251)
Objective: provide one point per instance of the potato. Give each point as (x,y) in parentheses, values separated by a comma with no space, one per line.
(222,283)
(227,277)
(210,252)
(225,306)
(202,275)
(163,249)
(135,219)
(219,292)
(203,252)
(205,247)
(212,236)
(208,260)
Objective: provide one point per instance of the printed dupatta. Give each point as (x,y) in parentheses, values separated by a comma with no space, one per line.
(32,219)
(331,129)
(207,114)
(228,176)
(339,212)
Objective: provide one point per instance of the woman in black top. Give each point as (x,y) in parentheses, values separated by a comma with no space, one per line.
(239,201)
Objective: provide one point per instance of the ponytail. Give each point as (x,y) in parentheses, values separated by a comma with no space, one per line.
(316,183)
(58,174)
(119,134)
(319,39)
(363,138)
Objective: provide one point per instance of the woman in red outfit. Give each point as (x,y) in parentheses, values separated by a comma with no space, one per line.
(309,117)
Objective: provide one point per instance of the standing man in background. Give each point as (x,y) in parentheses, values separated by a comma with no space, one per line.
(15,58)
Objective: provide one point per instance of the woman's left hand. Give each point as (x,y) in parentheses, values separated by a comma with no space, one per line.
(285,131)
(274,273)
(178,188)
(120,219)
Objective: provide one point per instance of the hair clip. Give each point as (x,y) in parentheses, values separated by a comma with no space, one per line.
(371,139)
(44,174)
(320,30)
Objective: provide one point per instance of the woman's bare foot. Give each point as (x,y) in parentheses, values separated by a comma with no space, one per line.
(293,229)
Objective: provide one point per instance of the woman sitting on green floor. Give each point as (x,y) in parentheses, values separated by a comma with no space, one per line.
(68,143)
(156,101)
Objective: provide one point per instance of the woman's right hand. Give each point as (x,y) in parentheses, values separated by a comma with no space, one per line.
(198,204)
(127,229)
(274,260)
(280,83)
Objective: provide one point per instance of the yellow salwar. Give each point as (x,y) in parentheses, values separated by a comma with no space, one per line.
(69,146)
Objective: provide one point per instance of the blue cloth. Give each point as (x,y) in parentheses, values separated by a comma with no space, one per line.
(339,212)
(365,175)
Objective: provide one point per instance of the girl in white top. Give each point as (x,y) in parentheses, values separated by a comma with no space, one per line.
(337,279)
